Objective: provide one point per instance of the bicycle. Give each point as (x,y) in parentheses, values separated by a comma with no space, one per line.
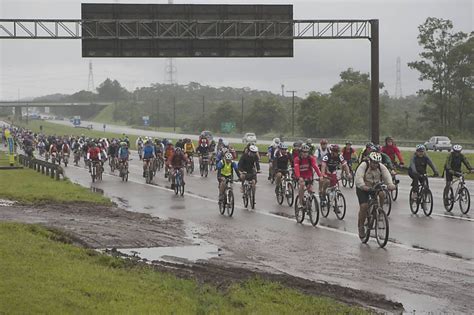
(421,196)
(309,205)
(77,157)
(148,171)
(96,172)
(212,163)
(178,183)
(461,195)
(227,205)
(204,166)
(335,200)
(160,162)
(285,190)
(113,164)
(348,182)
(65,159)
(123,171)
(248,194)
(190,165)
(376,218)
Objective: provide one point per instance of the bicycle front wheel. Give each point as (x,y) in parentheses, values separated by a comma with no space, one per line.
(299,211)
(230,203)
(367,226)
(325,207)
(344,181)
(313,210)
(427,202)
(387,201)
(381,228)
(394,193)
(252,197)
(413,200)
(290,194)
(340,205)
(351,181)
(448,198)
(245,196)
(464,200)
(279,193)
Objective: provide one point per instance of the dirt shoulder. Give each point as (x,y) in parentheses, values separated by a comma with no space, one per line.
(98,226)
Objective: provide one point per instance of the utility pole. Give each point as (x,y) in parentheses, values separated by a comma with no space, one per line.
(174,113)
(283,90)
(292,113)
(203,112)
(242,117)
(157,113)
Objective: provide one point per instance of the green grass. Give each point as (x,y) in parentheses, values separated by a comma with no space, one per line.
(42,275)
(105,116)
(30,187)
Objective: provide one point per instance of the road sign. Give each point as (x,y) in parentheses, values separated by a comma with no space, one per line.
(186,30)
(146,120)
(227,127)
(76,121)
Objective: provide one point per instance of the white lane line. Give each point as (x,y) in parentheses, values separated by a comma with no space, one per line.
(453,217)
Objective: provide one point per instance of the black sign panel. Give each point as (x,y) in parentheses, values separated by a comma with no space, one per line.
(184,30)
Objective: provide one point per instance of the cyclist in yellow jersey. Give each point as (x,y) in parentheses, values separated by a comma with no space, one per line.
(225,169)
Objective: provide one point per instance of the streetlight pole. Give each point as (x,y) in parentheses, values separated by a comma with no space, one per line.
(242,117)
(292,113)
(203,112)
(174,113)
(157,112)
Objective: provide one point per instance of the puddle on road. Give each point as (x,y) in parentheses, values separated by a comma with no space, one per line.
(178,254)
(6,203)
(97,190)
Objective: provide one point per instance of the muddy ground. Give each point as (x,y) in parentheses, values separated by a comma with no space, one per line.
(95,226)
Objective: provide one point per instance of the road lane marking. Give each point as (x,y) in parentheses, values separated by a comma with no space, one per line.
(453,217)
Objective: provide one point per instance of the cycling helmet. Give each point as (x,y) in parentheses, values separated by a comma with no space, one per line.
(375,157)
(123,143)
(297,144)
(376,148)
(309,141)
(348,142)
(178,150)
(457,148)
(369,145)
(283,146)
(225,143)
(253,148)
(335,148)
(228,156)
(304,148)
(420,148)
(276,140)
(323,141)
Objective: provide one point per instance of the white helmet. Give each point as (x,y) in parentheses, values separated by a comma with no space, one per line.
(228,156)
(253,148)
(375,157)
(276,140)
(457,148)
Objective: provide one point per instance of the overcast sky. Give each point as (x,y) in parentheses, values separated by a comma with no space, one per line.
(40,67)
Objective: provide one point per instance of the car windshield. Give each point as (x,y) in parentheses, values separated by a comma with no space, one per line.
(443,138)
(250,135)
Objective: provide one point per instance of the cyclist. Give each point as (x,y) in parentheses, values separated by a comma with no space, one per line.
(392,150)
(329,165)
(418,164)
(225,170)
(180,144)
(321,151)
(159,149)
(364,153)
(148,155)
(112,151)
(271,154)
(249,166)
(295,151)
(139,145)
(93,154)
(176,162)
(282,161)
(370,173)
(123,154)
(65,149)
(385,158)
(304,164)
(312,147)
(189,149)
(168,153)
(349,154)
(203,152)
(454,163)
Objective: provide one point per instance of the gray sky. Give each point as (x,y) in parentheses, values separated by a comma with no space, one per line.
(39,67)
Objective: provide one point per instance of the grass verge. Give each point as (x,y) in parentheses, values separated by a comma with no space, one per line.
(42,275)
(30,187)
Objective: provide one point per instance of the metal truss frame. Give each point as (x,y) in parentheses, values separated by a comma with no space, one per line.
(184,29)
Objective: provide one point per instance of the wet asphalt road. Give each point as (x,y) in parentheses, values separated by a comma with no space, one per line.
(428,264)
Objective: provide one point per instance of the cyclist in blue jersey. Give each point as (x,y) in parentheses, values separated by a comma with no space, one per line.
(148,154)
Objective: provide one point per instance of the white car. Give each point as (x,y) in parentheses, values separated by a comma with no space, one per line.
(249,137)
(439,143)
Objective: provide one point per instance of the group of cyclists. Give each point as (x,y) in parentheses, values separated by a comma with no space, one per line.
(329,162)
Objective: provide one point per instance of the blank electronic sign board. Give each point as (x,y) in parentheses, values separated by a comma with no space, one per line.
(103,37)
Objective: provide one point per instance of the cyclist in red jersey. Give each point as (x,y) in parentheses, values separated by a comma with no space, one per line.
(348,153)
(304,165)
(391,150)
(93,154)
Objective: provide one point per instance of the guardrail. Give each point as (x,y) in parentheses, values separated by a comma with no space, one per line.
(43,167)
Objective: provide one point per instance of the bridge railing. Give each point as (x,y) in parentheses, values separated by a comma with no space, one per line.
(43,167)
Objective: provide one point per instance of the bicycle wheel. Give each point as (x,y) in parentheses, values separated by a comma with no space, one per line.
(387,201)
(279,193)
(381,228)
(325,208)
(252,197)
(222,206)
(340,204)
(230,203)
(245,196)
(313,210)
(414,205)
(201,170)
(427,202)
(448,199)
(367,226)
(150,175)
(290,194)
(351,181)
(464,200)
(181,189)
(206,170)
(394,194)
(344,181)
(176,185)
(299,212)
(192,166)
